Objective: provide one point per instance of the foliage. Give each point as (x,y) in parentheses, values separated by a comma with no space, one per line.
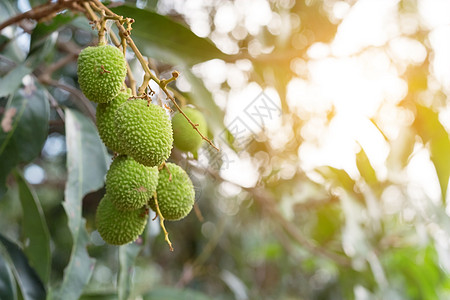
(364,231)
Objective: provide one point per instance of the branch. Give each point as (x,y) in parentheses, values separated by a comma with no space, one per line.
(44,11)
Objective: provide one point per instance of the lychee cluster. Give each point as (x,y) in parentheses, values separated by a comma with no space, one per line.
(141,136)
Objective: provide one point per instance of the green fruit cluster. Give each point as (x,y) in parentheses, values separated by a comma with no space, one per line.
(141,134)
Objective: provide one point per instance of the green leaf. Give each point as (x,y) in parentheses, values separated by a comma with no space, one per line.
(338,177)
(203,99)
(87,163)
(127,256)
(99,296)
(365,168)
(12,81)
(175,294)
(161,38)
(35,229)
(42,39)
(23,134)
(433,132)
(8,289)
(28,281)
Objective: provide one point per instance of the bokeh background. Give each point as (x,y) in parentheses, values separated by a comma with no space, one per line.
(333,123)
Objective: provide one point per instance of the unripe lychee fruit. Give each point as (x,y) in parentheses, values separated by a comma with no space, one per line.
(175,193)
(130,184)
(101,72)
(105,121)
(145,131)
(185,137)
(119,227)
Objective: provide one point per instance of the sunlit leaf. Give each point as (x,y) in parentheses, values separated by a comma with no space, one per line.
(201,97)
(8,289)
(24,129)
(127,256)
(28,281)
(365,168)
(87,163)
(161,38)
(433,132)
(329,220)
(35,229)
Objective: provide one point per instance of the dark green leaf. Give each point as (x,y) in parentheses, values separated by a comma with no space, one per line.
(161,38)
(24,129)
(28,281)
(365,168)
(42,39)
(8,289)
(175,294)
(127,256)
(35,229)
(433,132)
(87,163)
(99,296)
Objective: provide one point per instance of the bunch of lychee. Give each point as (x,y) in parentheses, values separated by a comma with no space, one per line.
(141,134)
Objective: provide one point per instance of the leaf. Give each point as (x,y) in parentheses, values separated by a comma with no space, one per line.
(87,163)
(28,281)
(42,39)
(202,98)
(35,229)
(12,81)
(338,177)
(159,37)
(99,296)
(175,294)
(433,132)
(365,168)
(8,289)
(127,256)
(26,127)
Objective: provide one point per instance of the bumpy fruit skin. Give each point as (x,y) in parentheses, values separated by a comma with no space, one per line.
(105,121)
(145,131)
(185,137)
(175,197)
(118,227)
(129,184)
(101,72)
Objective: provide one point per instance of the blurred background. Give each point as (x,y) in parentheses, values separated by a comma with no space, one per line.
(332,119)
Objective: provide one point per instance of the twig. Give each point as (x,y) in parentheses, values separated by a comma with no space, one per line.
(93,17)
(84,104)
(43,11)
(161,221)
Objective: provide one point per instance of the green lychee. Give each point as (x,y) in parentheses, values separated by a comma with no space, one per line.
(101,72)
(185,137)
(175,193)
(130,184)
(119,227)
(145,131)
(105,121)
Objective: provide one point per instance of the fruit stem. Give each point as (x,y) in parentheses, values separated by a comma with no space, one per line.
(92,16)
(125,34)
(161,221)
